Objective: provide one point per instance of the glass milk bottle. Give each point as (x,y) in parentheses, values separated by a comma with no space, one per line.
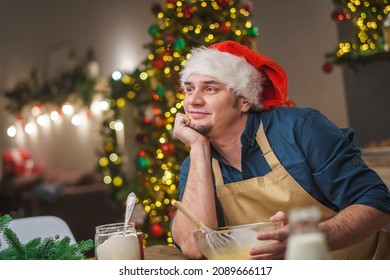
(113,243)
(306,241)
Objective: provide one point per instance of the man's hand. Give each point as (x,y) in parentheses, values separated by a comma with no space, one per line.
(183,131)
(276,250)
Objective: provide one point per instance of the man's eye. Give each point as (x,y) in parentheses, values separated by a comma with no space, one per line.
(211,90)
(188,90)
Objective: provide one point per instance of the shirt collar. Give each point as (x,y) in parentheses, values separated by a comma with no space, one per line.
(251,127)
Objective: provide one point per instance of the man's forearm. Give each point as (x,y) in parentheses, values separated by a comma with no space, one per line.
(198,197)
(352,225)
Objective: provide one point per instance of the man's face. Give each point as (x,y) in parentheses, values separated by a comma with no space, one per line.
(210,105)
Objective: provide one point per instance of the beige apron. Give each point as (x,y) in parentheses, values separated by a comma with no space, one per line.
(259,198)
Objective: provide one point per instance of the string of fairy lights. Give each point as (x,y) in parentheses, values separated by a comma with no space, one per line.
(371,28)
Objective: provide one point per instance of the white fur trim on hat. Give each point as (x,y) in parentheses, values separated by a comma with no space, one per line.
(227,68)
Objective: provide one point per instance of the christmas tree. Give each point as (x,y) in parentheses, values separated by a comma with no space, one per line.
(365,20)
(152,90)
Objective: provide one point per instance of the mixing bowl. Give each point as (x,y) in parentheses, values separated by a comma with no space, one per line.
(240,240)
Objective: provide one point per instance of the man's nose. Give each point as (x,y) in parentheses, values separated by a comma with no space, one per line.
(196,97)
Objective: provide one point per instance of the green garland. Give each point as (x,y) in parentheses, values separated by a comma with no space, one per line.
(40,249)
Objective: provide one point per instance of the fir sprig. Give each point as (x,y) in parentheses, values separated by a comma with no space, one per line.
(51,248)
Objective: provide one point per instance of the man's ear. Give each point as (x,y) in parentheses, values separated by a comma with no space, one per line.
(246,106)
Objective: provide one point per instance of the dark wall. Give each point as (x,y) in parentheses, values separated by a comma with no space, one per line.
(367,87)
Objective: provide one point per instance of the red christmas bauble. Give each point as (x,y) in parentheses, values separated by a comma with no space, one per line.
(223,28)
(223,3)
(158,63)
(327,67)
(156,230)
(167,148)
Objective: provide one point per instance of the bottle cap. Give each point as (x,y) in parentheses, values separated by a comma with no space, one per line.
(304,214)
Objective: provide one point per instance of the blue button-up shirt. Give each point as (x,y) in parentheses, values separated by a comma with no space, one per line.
(322,158)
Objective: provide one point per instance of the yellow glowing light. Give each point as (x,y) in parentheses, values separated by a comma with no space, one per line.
(160,15)
(112,124)
(238,32)
(158,203)
(167,201)
(160,155)
(121,102)
(185,29)
(143,76)
(103,161)
(168,127)
(147,209)
(204,4)
(130,94)
(151,56)
(118,181)
(167,70)
(162,140)
(107,179)
(364,47)
(156,188)
(173,110)
(125,79)
(180,15)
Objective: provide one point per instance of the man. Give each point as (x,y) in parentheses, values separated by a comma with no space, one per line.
(253,158)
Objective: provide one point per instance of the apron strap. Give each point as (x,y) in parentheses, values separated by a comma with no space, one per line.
(268,153)
(217,173)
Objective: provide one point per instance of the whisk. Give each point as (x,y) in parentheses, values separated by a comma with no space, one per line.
(216,240)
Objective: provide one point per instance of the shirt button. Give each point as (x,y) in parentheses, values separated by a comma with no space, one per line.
(355,162)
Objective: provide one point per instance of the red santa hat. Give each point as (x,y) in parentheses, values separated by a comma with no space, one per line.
(260,80)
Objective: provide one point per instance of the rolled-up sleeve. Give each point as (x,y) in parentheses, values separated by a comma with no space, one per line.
(337,167)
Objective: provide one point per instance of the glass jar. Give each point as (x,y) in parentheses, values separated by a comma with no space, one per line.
(306,240)
(112,243)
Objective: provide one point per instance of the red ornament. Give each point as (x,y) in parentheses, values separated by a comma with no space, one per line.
(223,3)
(171,213)
(156,230)
(158,63)
(167,148)
(340,16)
(223,28)
(188,11)
(327,67)
(248,6)
(169,38)
(159,121)
(143,153)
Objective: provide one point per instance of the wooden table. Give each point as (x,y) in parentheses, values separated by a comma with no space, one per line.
(163,252)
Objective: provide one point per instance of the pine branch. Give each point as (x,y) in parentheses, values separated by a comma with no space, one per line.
(37,249)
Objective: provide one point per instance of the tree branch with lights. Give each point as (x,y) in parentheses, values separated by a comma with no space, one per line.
(370,22)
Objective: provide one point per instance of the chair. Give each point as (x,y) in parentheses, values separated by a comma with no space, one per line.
(40,226)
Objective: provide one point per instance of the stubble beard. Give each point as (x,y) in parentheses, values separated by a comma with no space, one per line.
(203,129)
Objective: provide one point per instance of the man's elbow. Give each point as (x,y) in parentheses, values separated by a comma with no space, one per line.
(191,251)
